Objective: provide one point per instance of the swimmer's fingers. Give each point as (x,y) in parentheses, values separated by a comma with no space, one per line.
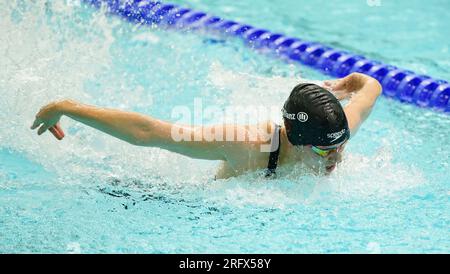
(36,123)
(328,83)
(340,85)
(58,128)
(57,131)
(39,118)
(43,128)
(47,117)
(334,85)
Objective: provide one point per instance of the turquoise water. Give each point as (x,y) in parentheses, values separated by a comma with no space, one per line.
(91,193)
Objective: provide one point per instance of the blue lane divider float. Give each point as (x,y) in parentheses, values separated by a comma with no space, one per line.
(400,84)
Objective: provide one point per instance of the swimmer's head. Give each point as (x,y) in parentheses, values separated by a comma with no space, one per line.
(313,116)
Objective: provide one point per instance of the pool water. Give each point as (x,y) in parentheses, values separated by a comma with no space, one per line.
(91,193)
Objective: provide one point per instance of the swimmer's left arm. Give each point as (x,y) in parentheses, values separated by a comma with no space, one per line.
(363,92)
(141,130)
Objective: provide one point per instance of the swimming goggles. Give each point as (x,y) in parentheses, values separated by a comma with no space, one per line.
(326,151)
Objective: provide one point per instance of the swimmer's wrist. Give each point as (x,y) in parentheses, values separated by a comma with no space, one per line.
(66,106)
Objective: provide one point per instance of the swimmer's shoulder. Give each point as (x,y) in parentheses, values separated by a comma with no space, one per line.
(263,130)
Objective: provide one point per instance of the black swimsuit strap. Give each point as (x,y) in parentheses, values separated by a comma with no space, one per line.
(274,155)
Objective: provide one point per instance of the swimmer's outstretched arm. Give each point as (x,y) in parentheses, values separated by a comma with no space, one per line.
(363,92)
(138,129)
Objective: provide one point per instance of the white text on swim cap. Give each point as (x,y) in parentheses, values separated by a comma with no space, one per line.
(301,116)
(336,135)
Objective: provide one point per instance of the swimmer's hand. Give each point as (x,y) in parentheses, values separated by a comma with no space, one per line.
(48,119)
(344,87)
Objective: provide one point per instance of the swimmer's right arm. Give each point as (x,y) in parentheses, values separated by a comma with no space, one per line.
(136,129)
(363,92)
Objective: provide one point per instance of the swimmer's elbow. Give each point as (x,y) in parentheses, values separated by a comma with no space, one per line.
(375,86)
(378,88)
(371,86)
(370,94)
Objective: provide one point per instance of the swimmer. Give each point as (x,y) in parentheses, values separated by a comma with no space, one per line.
(315,130)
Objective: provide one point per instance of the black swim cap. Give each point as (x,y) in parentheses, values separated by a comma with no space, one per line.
(313,116)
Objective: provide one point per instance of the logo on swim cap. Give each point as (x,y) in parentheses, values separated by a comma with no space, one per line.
(302,116)
(336,135)
(287,115)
